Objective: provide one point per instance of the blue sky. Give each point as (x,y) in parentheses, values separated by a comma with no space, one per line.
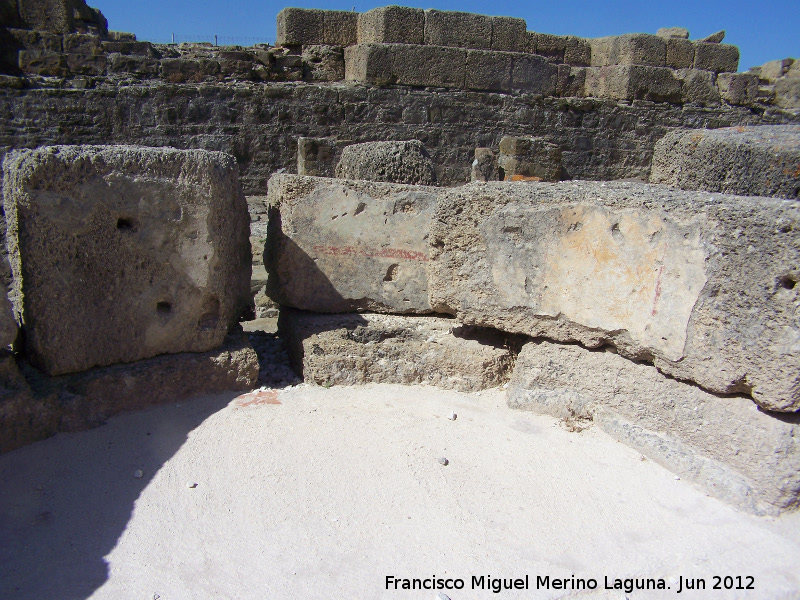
(762,30)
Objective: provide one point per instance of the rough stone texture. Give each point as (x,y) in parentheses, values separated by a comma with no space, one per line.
(714,38)
(393,162)
(405,64)
(577,52)
(787,92)
(680,53)
(36,407)
(571,81)
(509,34)
(738,88)
(121,253)
(552,47)
(725,444)
(701,284)
(673,33)
(340,27)
(297,26)
(489,71)
(259,123)
(751,161)
(391,25)
(345,246)
(698,87)
(354,349)
(720,58)
(485,167)
(775,69)
(657,84)
(458,29)
(315,156)
(533,74)
(323,63)
(529,158)
(8,326)
(629,49)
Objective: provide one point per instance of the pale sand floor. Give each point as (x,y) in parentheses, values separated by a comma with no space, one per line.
(328,492)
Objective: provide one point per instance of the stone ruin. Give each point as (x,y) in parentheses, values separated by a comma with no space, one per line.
(606,227)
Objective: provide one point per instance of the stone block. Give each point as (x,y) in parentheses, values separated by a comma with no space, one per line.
(530,158)
(121,36)
(135,65)
(725,444)
(323,63)
(633,83)
(775,69)
(571,82)
(629,49)
(702,285)
(739,89)
(392,162)
(80,43)
(121,253)
(179,70)
(509,34)
(340,27)
(531,73)
(405,64)
(680,53)
(55,16)
(577,52)
(458,29)
(298,26)
(752,161)
(488,71)
(673,33)
(315,156)
(720,58)
(87,64)
(347,246)
(602,50)
(714,38)
(552,47)
(787,92)
(355,349)
(51,64)
(128,47)
(485,167)
(391,25)
(698,87)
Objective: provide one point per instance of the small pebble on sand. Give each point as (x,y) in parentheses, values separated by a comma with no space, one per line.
(138,474)
(453,416)
(444,461)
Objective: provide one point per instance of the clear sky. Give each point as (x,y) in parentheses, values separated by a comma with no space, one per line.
(763,31)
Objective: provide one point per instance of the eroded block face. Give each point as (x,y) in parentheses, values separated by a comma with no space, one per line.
(121,253)
(509,34)
(393,162)
(297,26)
(344,246)
(406,64)
(702,285)
(458,29)
(392,25)
(720,58)
(633,83)
(340,27)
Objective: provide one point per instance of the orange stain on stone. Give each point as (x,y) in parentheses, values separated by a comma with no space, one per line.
(257,398)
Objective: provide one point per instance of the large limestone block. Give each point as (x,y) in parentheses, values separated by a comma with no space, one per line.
(629,49)
(345,246)
(534,74)
(340,27)
(405,64)
(393,162)
(775,69)
(354,349)
(458,29)
(702,285)
(297,26)
(509,34)
(529,157)
(787,91)
(720,58)
(121,253)
(723,443)
(698,87)
(739,89)
(489,71)
(633,83)
(680,53)
(391,25)
(753,161)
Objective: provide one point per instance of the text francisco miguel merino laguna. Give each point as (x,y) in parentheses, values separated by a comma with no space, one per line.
(499,584)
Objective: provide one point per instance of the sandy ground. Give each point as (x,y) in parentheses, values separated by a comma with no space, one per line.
(323,493)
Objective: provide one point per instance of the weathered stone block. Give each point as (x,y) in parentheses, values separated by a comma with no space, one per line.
(530,158)
(577,52)
(323,63)
(87,64)
(490,71)
(751,161)
(392,162)
(680,53)
(714,38)
(551,46)
(136,65)
(354,349)
(346,246)
(787,92)
(315,156)
(720,58)
(571,81)
(602,49)
(340,27)
(52,64)
(698,87)
(509,34)
(629,49)
(80,43)
(55,16)
(458,29)
(298,26)
(740,89)
(633,83)
(700,284)
(187,68)
(775,69)
(405,64)
(531,73)
(736,452)
(128,47)
(121,253)
(485,167)
(391,25)
(673,33)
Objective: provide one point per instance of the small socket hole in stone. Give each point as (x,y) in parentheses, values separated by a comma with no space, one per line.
(126,224)
(163,308)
